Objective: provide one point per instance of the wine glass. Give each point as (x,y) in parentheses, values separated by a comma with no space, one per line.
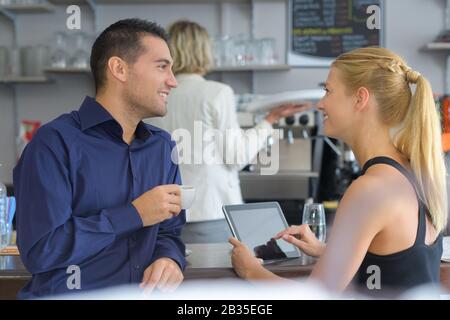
(314,216)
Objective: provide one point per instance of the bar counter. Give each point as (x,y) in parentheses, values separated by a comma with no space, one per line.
(207,261)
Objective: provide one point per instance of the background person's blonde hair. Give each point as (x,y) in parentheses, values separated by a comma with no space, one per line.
(190,47)
(388,78)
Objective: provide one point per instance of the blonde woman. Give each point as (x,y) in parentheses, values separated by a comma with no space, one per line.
(391,218)
(209,105)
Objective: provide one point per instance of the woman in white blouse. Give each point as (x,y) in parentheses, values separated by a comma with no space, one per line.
(198,105)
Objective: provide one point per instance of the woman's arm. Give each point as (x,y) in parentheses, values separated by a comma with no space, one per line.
(303,238)
(247,266)
(362,213)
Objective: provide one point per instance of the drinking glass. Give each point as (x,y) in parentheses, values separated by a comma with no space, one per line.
(34,60)
(267,51)
(14,65)
(60,50)
(3,61)
(314,216)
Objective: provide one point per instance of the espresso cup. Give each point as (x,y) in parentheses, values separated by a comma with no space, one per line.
(187,196)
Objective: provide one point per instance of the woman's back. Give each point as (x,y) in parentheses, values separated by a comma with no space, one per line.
(405,253)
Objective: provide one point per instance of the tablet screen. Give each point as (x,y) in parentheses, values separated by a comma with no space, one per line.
(256,225)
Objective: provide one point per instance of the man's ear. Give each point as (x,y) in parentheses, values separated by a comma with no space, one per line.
(118,68)
(362,97)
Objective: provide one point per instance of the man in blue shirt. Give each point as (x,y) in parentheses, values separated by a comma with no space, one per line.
(97,190)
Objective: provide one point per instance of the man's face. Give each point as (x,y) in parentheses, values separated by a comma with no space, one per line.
(151,79)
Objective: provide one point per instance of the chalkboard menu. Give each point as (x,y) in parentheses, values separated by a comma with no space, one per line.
(320,30)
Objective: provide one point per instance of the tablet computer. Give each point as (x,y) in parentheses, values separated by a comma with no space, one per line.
(256,224)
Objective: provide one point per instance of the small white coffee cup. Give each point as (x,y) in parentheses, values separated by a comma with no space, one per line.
(187,196)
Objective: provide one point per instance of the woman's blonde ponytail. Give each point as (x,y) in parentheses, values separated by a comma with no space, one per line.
(420,141)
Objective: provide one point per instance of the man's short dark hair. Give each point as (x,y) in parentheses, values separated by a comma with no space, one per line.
(121,39)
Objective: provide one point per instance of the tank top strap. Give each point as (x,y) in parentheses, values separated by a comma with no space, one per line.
(421,228)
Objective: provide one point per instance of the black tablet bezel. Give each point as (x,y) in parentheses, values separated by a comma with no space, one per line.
(255,206)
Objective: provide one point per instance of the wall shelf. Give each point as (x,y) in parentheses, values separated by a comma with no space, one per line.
(68,2)
(19,80)
(67,70)
(164,1)
(273,67)
(438,46)
(22,8)
(442,47)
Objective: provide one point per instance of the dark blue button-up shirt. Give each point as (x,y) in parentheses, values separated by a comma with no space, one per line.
(74,184)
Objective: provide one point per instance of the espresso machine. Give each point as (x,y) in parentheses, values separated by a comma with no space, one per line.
(339,169)
(299,163)
(291,180)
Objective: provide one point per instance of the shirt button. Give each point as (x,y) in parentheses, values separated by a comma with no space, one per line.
(137,267)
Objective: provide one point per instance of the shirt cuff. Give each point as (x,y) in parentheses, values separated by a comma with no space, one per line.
(264,124)
(124,219)
(171,254)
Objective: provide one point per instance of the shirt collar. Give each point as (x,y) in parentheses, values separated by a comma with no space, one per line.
(93,113)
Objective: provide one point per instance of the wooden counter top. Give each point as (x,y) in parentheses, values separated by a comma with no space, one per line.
(207,261)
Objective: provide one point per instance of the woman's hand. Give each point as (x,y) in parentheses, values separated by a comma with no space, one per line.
(303,238)
(286,110)
(244,262)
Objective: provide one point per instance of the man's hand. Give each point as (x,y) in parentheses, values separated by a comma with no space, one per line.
(164,274)
(158,204)
(286,110)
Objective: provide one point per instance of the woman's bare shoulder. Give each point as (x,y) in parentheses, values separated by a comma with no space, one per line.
(368,187)
(370,197)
